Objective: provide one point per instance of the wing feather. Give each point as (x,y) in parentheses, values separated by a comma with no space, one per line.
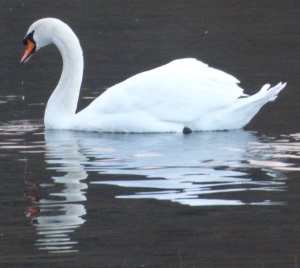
(180,91)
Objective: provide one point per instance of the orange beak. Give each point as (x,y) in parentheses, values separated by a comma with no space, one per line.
(30,49)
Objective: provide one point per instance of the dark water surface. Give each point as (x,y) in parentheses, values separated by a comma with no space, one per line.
(213,199)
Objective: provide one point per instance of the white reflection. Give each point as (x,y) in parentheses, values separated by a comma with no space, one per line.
(202,169)
(286,150)
(57,216)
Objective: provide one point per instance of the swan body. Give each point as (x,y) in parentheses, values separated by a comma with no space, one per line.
(183,94)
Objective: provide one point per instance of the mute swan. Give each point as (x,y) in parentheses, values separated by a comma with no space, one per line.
(183,95)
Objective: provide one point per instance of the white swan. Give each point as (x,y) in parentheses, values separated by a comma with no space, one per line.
(183,95)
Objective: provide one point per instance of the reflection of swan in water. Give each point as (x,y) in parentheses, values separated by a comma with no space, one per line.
(210,168)
(58,215)
(192,170)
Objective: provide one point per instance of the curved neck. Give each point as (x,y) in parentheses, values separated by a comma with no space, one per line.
(63,101)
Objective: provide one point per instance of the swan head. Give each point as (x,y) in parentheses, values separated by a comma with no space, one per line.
(41,33)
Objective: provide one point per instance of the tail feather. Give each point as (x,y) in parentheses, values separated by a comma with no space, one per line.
(267,94)
(239,113)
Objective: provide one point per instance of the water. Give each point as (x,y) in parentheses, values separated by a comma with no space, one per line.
(212,199)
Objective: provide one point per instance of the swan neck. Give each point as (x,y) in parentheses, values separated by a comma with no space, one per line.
(62,104)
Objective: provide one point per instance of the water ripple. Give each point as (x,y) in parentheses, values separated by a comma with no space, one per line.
(202,169)
(190,170)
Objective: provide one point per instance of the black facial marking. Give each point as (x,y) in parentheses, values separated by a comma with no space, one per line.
(28,37)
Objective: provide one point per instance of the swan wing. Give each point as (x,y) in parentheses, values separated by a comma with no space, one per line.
(180,91)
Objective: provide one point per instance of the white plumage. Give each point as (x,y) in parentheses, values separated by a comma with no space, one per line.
(184,93)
